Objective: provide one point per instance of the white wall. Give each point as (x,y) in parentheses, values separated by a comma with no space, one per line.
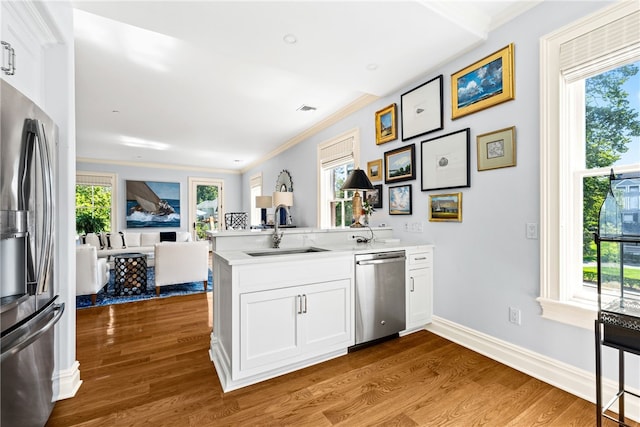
(485,264)
(232,190)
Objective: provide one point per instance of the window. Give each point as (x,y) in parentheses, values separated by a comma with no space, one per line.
(336,158)
(206,207)
(580,141)
(95,202)
(255,190)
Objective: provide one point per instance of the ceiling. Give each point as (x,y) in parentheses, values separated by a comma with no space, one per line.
(215,84)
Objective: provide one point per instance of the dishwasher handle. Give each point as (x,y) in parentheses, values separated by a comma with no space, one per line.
(381,261)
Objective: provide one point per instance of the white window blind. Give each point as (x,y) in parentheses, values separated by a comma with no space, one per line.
(614,43)
(255,181)
(337,152)
(97,179)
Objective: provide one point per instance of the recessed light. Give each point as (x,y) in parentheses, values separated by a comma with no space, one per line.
(237,161)
(115,111)
(372,67)
(290,39)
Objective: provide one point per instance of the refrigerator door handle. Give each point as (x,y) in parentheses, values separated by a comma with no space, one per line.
(21,338)
(45,163)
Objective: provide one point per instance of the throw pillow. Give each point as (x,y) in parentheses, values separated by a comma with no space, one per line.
(92,239)
(132,239)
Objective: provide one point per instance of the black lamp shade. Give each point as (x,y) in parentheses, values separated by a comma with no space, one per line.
(357,180)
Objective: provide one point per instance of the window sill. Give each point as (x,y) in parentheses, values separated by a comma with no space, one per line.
(569,312)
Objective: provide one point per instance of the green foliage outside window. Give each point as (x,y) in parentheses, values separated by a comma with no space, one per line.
(610,124)
(93,209)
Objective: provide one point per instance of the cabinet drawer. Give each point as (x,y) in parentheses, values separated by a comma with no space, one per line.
(420,258)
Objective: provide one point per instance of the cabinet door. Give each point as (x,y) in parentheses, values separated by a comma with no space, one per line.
(327,314)
(16,30)
(420,297)
(268,327)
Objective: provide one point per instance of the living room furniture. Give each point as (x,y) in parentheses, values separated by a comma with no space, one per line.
(236,221)
(130,272)
(181,262)
(109,244)
(92,273)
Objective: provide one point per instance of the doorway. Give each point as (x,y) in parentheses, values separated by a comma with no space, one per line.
(206,206)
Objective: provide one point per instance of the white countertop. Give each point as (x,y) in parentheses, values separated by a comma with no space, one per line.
(290,230)
(239,257)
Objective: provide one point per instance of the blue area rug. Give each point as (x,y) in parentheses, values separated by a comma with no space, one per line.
(108,297)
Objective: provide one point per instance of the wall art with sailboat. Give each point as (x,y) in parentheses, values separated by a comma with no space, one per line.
(153,204)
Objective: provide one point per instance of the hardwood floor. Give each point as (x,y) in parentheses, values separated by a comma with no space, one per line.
(147,363)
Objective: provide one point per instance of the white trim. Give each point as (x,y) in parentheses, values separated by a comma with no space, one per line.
(67,382)
(566,377)
(157,165)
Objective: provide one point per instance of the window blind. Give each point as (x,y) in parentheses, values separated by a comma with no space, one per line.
(96,179)
(337,152)
(615,42)
(255,181)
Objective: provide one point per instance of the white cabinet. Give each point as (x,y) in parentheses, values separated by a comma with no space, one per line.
(27,30)
(419,288)
(280,325)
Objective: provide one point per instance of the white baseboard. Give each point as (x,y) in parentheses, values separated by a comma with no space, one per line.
(67,382)
(566,377)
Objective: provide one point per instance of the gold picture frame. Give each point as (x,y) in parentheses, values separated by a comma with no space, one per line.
(374,170)
(445,207)
(386,127)
(497,149)
(472,90)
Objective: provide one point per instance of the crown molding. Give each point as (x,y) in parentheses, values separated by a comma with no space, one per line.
(157,165)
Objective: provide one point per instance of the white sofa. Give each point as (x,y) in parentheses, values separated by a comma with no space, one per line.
(108,244)
(92,273)
(181,262)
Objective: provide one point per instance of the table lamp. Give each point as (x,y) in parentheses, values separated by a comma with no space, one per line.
(282,198)
(263,202)
(357,180)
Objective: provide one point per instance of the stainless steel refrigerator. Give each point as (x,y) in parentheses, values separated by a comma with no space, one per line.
(28,307)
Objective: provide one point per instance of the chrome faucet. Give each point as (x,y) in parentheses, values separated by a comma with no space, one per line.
(276,239)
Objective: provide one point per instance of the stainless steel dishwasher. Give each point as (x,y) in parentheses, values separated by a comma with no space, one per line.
(380,296)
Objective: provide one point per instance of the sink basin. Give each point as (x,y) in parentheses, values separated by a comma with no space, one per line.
(292,251)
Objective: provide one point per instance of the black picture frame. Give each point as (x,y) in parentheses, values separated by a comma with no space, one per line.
(400,200)
(445,161)
(400,164)
(422,109)
(374,197)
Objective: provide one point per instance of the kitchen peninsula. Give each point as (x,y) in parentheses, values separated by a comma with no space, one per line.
(279,310)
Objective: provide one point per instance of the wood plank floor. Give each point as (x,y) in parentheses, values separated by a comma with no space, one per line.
(147,363)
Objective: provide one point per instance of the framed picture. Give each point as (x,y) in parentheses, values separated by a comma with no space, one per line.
(400,200)
(399,164)
(483,84)
(445,161)
(445,207)
(153,204)
(374,197)
(374,170)
(386,129)
(421,109)
(497,149)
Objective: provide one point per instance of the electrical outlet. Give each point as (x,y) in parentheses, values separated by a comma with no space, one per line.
(532,230)
(515,316)
(406,226)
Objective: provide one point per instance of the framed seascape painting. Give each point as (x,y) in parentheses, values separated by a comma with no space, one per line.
(421,109)
(483,84)
(497,149)
(399,164)
(386,129)
(153,204)
(400,200)
(445,207)
(445,161)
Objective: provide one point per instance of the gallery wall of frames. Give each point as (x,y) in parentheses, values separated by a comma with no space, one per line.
(439,158)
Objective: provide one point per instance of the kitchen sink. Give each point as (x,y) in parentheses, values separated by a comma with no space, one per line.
(291,251)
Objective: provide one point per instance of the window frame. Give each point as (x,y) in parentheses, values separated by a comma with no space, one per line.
(559,177)
(255,189)
(326,161)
